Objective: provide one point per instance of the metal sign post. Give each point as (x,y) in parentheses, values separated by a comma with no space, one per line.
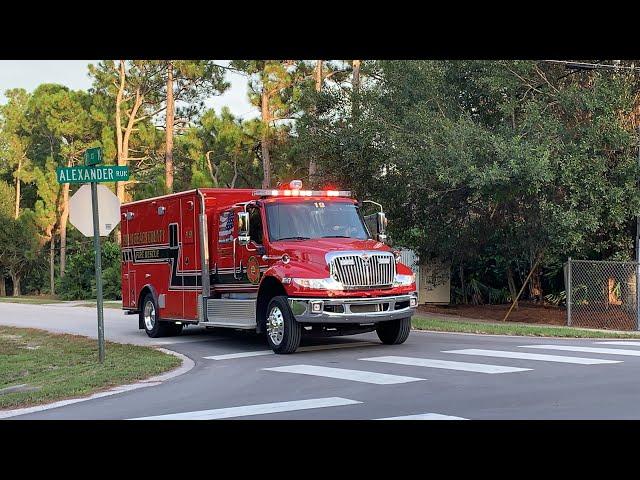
(93,173)
(96,247)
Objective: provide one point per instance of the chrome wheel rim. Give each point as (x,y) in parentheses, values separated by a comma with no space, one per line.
(275,326)
(149,315)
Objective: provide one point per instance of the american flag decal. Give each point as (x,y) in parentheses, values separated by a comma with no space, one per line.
(225,232)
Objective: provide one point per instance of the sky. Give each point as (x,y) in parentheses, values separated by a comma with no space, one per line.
(28,74)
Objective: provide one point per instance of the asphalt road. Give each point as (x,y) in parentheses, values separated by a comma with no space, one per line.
(431,376)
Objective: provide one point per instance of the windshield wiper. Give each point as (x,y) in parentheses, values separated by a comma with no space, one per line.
(336,236)
(294,238)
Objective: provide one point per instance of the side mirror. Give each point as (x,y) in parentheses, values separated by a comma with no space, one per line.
(243,228)
(381,224)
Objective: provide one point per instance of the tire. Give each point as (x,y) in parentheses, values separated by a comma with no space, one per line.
(394,332)
(282,330)
(150,318)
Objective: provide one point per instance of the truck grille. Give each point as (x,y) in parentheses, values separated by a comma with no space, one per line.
(364,270)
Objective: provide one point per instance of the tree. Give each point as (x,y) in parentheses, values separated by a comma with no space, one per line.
(13,142)
(274,87)
(130,93)
(7,195)
(220,151)
(19,246)
(513,158)
(62,116)
(188,82)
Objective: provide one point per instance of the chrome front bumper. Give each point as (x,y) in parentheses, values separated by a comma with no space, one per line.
(353,310)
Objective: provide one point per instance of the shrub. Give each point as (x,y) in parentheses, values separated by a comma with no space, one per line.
(79,280)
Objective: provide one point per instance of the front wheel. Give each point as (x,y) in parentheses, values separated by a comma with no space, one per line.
(394,332)
(283,331)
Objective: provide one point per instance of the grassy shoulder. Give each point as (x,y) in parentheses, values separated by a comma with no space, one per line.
(441,325)
(41,367)
(31,299)
(114,305)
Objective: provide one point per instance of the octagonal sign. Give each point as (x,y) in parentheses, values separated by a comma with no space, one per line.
(81,213)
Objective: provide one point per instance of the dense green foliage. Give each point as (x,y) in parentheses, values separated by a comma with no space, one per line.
(79,282)
(485,166)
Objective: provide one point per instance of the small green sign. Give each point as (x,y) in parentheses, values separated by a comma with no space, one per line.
(80,174)
(93,156)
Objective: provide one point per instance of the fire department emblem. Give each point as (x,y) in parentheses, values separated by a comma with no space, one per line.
(253,270)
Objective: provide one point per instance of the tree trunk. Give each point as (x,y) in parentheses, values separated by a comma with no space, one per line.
(121,156)
(170,118)
(355,83)
(463,287)
(52,265)
(17,211)
(3,285)
(313,166)
(265,142)
(64,217)
(535,285)
(15,279)
(512,284)
(213,174)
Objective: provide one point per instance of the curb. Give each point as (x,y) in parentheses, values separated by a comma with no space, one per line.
(187,365)
(520,336)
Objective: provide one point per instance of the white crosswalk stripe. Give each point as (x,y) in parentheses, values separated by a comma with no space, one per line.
(231,356)
(531,356)
(345,374)
(424,416)
(309,348)
(575,348)
(446,364)
(630,343)
(260,409)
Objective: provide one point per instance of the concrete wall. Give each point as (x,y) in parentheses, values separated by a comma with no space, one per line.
(435,284)
(433,280)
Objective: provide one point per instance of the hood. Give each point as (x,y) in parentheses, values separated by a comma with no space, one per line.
(313,251)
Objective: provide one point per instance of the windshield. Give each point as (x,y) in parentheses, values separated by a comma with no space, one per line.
(314,219)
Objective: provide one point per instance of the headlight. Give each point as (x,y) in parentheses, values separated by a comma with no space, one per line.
(403,280)
(318,283)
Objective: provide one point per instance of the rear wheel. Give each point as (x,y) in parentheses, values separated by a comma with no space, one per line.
(150,317)
(394,332)
(283,331)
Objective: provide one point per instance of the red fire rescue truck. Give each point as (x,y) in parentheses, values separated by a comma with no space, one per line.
(281,262)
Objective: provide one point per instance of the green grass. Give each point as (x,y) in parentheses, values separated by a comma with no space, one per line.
(31,299)
(117,306)
(66,366)
(440,325)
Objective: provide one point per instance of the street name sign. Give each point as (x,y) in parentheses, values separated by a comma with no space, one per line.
(83,174)
(93,156)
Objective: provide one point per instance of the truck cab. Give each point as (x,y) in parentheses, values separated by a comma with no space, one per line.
(282,262)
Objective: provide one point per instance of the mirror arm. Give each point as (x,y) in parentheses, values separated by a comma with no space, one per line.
(375,203)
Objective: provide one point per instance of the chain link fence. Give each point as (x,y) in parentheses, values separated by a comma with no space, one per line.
(602,294)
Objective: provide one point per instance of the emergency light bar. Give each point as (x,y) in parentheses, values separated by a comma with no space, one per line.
(294,191)
(302,193)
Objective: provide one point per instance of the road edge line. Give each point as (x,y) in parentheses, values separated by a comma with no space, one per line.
(186,366)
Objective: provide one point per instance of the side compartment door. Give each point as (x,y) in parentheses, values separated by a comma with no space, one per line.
(127,269)
(189,261)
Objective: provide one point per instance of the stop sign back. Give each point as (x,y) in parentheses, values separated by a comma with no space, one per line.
(81,215)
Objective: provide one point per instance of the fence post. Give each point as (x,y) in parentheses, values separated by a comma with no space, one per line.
(569,292)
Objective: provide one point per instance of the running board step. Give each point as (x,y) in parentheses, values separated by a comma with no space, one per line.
(224,312)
